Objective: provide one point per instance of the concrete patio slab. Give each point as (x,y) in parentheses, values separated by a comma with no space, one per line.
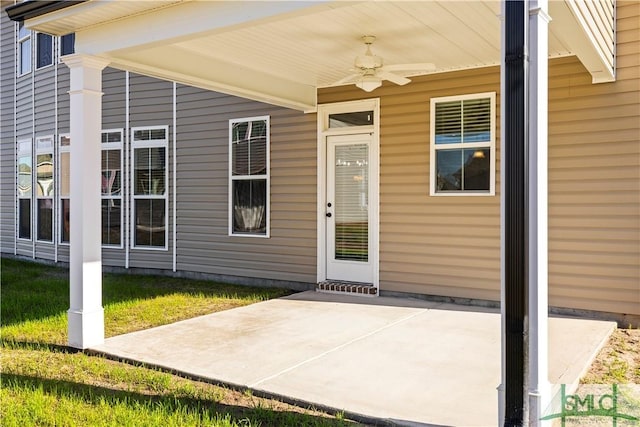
(410,361)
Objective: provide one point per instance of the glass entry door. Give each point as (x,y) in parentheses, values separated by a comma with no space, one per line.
(347,208)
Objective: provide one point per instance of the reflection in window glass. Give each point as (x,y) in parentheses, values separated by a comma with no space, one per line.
(24,218)
(67,44)
(150,222)
(111,172)
(24,176)
(45,219)
(249,206)
(249,145)
(111,227)
(64,220)
(359,118)
(463,170)
(44,177)
(44,50)
(149,171)
(24,49)
(249,148)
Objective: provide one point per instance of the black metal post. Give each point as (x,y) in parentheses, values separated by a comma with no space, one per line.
(515,199)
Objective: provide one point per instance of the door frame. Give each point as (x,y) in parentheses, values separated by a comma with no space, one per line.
(324,110)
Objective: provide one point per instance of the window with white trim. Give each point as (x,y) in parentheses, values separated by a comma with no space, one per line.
(249,176)
(45,185)
(24,184)
(44,50)
(463,145)
(24,49)
(111,187)
(149,185)
(65,186)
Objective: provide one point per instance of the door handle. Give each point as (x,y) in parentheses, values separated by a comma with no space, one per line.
(328,214)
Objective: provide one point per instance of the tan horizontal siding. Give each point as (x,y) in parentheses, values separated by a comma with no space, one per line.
(594,180)
(450,245)
(431,245)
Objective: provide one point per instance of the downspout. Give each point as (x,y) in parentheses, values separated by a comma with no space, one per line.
(127,204)
(15,139)
(34,154)
(514,211)
(56,152)
(175,196)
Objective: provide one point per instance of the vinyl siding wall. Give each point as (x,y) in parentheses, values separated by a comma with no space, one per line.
(430,245)
(446,246)
(151,104)
(7,137)
(204,245)
(451,245)
(594,179)
(44,125)
(25,130)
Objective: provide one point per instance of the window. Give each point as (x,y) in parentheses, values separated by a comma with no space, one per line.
(44,188)
(24,49)
(67,44)
(65,187)
(111,188)
(359,118)
(249,176)
(463,145)
(44,50)
(24,182)
(150,202)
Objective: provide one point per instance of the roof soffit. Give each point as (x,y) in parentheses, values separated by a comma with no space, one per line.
(288,48)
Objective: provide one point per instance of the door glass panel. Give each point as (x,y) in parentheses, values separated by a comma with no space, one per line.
(343,120)
(352,202)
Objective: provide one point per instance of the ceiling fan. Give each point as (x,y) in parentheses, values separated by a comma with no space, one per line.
(370,70)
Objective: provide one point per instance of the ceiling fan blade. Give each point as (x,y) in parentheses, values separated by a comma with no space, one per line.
(348,79)
(394,78)
(423,66)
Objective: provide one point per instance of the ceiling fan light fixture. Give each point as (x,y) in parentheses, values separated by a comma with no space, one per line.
(369,83)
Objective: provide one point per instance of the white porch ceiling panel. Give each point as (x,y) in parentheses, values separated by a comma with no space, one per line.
(280,51)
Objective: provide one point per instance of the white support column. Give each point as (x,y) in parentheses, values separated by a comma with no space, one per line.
(86,316)
(539,387)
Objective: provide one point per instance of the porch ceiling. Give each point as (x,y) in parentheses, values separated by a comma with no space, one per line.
(281,52)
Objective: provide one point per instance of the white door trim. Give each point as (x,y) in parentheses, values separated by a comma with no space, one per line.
(374,198)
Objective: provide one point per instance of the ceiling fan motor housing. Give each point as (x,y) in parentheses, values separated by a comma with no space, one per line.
(368,61)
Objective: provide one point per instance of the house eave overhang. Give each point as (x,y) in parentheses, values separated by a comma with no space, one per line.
(32,9)
(282,52)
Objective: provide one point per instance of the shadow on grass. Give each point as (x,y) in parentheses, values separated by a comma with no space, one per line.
(206,409)
(34,291)
(11,344)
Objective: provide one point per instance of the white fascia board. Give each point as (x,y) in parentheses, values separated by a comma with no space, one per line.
(185,21)
(211,74)
(58,23)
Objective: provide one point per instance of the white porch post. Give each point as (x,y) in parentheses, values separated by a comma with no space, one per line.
(85,315)
(538,387)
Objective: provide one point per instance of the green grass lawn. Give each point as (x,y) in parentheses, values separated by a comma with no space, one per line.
(46,384)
